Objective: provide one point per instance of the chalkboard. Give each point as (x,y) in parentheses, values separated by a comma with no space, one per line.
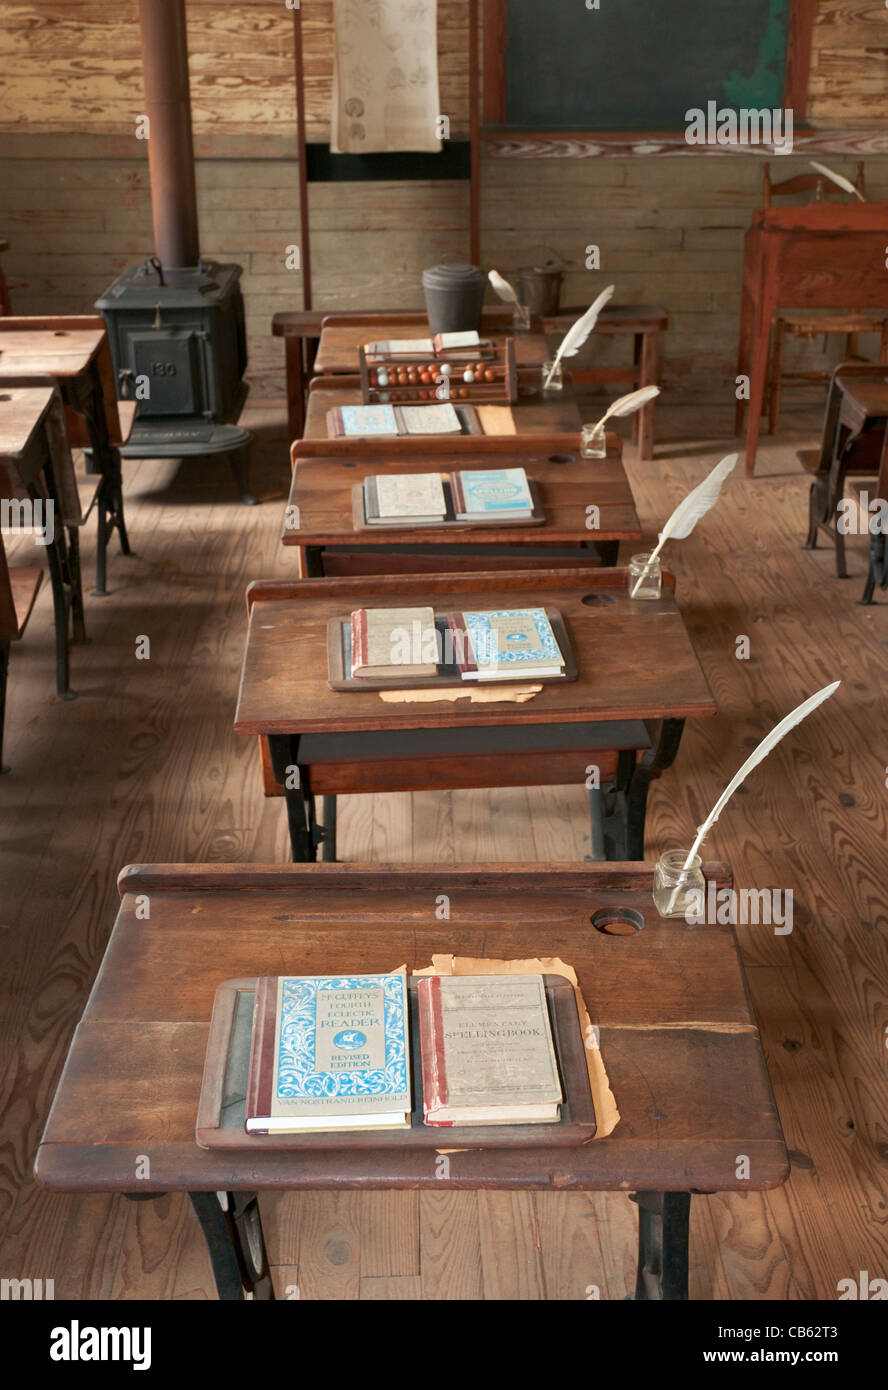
(640,64)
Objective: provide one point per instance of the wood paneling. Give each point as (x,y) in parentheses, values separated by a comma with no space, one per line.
(75,206)
(849,64)
(75,65)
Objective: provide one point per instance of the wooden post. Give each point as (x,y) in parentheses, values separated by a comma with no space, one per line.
(305,233)
(474,135)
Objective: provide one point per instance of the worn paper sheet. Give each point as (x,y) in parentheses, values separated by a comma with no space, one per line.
(518,694)
(606,1113)
(385,76)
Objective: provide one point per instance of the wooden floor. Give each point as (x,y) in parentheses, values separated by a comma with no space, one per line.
(144,766)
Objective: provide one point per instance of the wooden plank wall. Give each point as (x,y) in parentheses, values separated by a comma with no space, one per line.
(74,199)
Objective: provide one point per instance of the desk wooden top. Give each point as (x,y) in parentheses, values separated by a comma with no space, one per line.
(678,1040)
(868,393)
(322,483)
(338,350)
(635,658)
(57,352)
(532,414)
(21,410)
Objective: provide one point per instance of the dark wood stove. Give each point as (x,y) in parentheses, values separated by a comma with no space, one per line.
(176,322)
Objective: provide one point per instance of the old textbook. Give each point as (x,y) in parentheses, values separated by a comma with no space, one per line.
(407,499)
(390,421)
(491,494)
(393,642)
(329,1052)
(487,1051)
(503,644)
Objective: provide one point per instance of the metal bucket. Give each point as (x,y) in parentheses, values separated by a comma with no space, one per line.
(540,288)
(454,296)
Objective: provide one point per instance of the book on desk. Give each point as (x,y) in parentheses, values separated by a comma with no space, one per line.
(387,421)
(477,497)
(372,1055)
(381,648)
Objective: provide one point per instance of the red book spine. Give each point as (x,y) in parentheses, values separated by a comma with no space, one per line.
(358,621)
(463,652)
(260,1079)
(456,492)
(431,1047)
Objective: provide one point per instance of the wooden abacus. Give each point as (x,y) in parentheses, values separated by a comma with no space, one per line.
(487,378)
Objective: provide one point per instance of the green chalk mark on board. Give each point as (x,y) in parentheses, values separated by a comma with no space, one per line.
(741,89)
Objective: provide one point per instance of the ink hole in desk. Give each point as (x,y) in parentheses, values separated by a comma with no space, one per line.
(623,922)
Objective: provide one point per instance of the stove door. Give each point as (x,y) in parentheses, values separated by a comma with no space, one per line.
(172,361)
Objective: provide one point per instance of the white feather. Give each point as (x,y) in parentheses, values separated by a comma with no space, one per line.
(698,502)
(757,756)
(577,334)
(503,288)
(838,179)
(627,405)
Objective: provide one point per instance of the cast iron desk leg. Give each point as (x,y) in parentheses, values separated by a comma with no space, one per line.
(661,756)
(878,566)
(284,750)
(235,1243)
(618,811)
(663,1226)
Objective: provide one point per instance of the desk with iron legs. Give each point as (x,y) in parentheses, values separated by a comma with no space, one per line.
(611,730)
(587,505)
(678,1041)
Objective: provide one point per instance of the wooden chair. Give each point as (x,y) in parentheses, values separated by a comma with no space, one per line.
(18,590)
(854,429)
(807,324)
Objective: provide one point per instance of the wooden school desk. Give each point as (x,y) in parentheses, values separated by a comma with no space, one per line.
(31,435)
(678,1040)
(343,335)
(854,432)
(825,255)
(75,352)
(301,332)
(320,522)
(639,679)
(533,413)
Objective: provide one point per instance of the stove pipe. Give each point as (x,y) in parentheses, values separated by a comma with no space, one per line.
(170,144)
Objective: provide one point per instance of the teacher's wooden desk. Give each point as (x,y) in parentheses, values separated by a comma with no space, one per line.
(638,680)
(825,255)
(678,1040)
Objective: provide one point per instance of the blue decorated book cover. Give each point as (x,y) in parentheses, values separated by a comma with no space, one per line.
(511,642)
(329,1052)
(493,492)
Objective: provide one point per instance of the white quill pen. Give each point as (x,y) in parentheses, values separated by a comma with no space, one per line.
(505,291)
(698,502)
(757,756)
(575,337)
(838,179)
(627,405)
